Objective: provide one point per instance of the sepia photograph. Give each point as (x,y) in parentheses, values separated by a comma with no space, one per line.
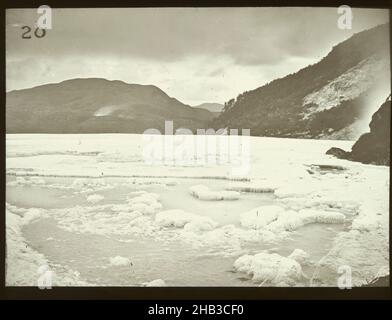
(197,147)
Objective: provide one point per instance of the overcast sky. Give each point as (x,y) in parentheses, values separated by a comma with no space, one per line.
(194,55)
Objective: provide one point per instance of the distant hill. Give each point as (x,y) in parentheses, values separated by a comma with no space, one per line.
(96,105)
(329,99)
(212,107)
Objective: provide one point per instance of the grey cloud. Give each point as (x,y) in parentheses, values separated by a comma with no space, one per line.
(247,35)
(195,55)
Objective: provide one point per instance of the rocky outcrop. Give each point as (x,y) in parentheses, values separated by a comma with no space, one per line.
(372,147)
(337,152)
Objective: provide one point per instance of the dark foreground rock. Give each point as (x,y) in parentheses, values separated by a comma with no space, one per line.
(337,152)
(372,147)
(379,282)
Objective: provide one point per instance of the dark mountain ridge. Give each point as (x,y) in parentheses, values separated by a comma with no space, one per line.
(95,105)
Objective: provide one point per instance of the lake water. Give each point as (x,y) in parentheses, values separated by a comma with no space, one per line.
(178,263)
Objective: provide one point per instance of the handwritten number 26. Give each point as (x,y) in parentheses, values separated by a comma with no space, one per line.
(38,33)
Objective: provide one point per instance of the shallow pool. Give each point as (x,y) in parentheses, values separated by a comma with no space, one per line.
(176,262)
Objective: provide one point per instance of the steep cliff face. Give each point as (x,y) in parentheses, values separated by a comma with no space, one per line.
(372,147)
(326,100)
